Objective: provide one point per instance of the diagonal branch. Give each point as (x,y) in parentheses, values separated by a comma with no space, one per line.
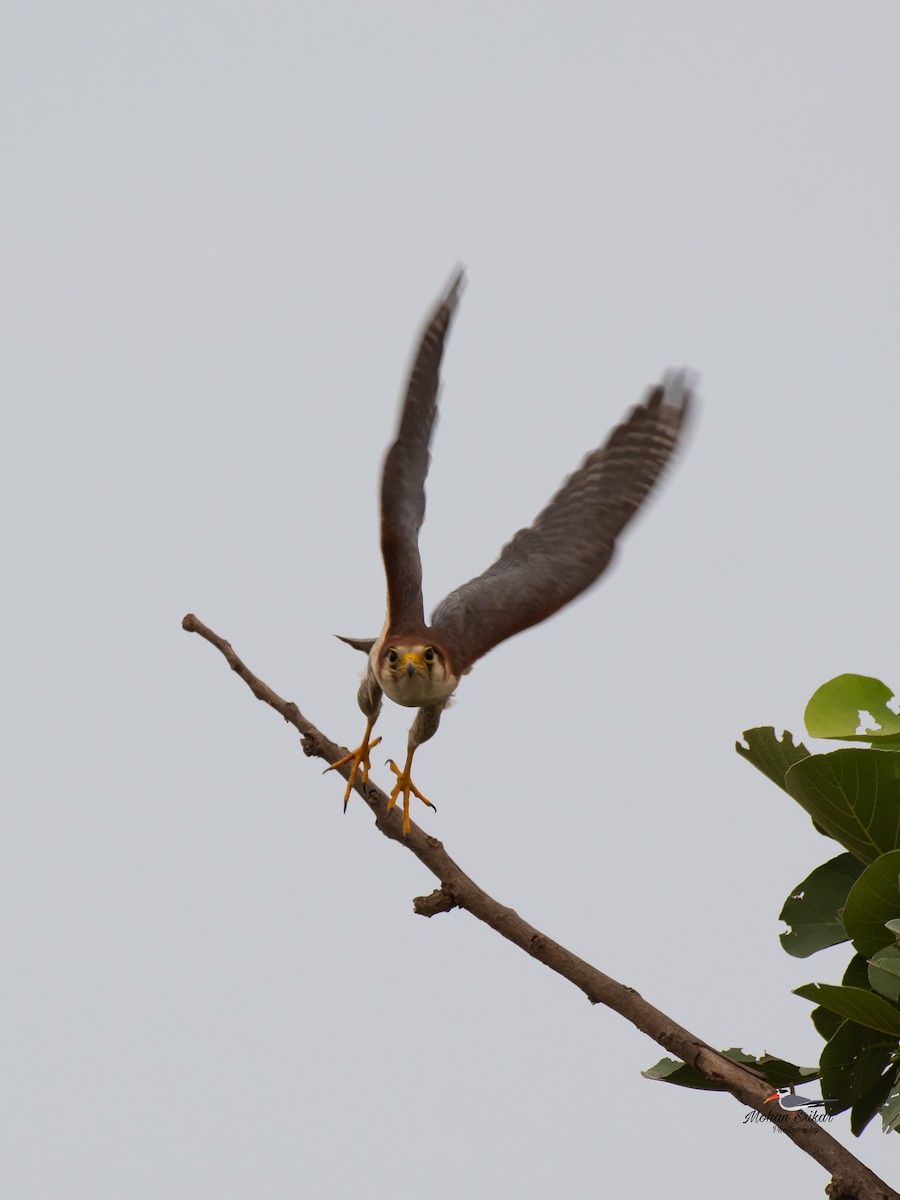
(850,1178)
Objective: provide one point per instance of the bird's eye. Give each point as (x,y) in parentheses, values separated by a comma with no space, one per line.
(392,657)
(429,654)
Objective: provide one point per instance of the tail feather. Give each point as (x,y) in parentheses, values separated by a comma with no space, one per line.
(364,644)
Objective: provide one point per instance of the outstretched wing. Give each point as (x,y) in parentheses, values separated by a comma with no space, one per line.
(405,468)
(571,542)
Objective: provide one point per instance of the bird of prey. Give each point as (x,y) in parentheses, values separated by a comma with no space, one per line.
(567,546)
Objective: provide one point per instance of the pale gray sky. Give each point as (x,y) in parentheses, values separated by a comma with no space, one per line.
(223,225)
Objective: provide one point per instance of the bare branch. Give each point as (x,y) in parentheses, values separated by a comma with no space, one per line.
(850,1178)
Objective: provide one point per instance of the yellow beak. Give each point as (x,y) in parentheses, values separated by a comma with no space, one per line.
(410,661)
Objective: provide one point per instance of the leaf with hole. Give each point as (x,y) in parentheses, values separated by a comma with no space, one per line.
(813,908)
(839,707)
(769,754)
(774,1070)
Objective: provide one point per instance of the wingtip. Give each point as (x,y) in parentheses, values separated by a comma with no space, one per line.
(680,386)
(455,286)
(677,392)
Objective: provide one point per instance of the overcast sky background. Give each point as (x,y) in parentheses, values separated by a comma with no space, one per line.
(223,226)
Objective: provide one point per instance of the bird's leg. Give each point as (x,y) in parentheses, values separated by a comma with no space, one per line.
(369,700)
(405,785)
(358,758)
(425,726)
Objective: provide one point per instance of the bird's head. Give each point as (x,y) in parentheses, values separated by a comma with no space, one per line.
(414,673)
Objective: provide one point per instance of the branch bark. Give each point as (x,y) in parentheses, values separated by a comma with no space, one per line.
(850,1178)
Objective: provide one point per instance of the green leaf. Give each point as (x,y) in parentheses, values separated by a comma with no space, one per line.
(813,908)
(868,1105)
(769,754)
(884,972)
(873,901)
(894,928)
(856,1004)
(835,710)
(853,795)
(857,1072)
(856,973)
(890,1110)
(827,1023)
(774,1070)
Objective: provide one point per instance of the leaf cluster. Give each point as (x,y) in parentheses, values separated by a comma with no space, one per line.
(853,797)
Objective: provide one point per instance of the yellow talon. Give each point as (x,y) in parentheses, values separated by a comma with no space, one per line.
(405,785)
(359,758)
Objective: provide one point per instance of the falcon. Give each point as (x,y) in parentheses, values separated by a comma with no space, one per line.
(564,550)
